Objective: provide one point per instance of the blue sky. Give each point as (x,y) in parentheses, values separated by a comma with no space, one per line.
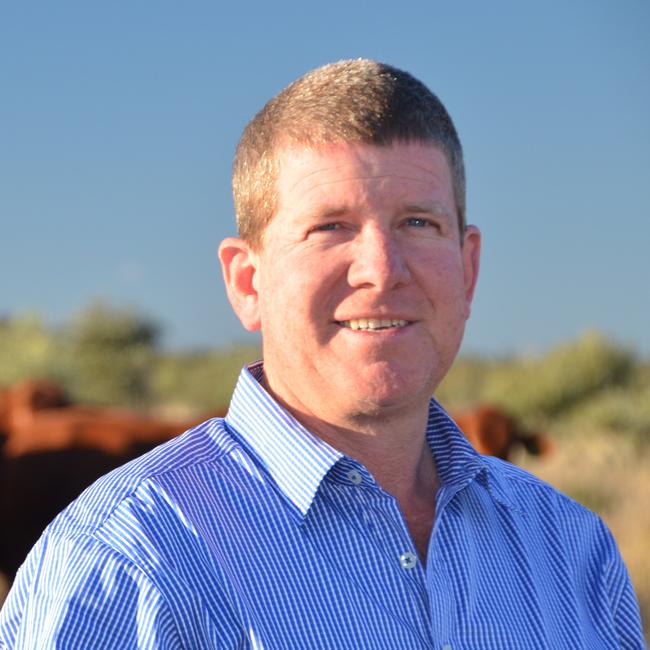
(118,123)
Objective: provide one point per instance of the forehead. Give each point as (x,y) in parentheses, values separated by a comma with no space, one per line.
(363,172)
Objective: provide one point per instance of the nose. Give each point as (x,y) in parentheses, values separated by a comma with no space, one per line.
(377,260)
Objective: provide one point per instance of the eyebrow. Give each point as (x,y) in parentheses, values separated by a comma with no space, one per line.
(435,208)
(333,213)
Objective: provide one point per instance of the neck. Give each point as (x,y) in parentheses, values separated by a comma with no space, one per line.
(392,447)
(397,454)
(391,444)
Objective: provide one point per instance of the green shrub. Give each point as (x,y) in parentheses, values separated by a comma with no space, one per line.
(552,385)
(28,348)
(617,410)
(108,355)
(200,381)
(465,384)
(111,353)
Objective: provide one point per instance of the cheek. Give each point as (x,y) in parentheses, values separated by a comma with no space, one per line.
(293,299)
(441,273)
(443,284)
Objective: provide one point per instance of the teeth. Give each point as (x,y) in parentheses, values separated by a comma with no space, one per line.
(373,323)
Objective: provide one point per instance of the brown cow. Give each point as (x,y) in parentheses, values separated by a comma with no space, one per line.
(36,416)
(495,433)
(36,486)
(53,450)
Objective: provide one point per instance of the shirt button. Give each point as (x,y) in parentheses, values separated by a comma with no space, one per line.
(408,560)
(355,476)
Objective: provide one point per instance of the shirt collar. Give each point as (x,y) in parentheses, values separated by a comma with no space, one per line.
(296,459)
(456,460)
(458,463)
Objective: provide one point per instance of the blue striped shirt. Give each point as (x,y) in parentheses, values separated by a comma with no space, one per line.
(250,532)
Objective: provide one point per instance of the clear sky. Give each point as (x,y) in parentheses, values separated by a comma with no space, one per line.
(118,122)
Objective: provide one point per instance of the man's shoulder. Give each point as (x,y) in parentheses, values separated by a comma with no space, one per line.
(208,443)
(534,497)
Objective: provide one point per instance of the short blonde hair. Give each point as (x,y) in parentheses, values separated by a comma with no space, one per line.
(356,101)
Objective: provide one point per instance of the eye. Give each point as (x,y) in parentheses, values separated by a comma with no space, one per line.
(327,227)
(423,223)
(418,222)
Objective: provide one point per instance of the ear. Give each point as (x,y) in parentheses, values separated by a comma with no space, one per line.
(239,266)
(471,253)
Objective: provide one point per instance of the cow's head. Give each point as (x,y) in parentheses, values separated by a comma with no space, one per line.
(24,399)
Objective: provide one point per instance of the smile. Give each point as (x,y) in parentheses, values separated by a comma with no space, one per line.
(373,324)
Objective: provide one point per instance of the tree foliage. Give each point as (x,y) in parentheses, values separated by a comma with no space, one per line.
(110,355)
(28,348)
(112,352)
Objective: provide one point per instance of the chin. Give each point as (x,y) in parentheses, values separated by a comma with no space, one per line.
(393,396)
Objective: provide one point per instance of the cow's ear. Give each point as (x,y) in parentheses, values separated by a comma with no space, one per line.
(239,265)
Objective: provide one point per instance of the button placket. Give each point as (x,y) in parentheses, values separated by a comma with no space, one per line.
(376,515)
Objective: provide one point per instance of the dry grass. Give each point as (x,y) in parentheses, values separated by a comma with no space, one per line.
(4,587)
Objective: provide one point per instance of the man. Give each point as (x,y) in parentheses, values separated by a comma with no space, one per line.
(336,506)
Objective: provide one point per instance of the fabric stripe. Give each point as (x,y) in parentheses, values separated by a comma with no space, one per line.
(250,532)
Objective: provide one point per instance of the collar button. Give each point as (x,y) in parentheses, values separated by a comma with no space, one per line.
(354,476)
(408,560)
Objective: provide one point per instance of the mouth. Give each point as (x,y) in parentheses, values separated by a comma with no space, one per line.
(373,324)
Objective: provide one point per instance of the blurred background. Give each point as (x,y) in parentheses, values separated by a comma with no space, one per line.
(118,123)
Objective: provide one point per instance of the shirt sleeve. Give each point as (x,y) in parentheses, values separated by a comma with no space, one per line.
(80,593)
(622,599)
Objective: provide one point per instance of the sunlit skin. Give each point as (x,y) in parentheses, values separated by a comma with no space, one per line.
(361,232)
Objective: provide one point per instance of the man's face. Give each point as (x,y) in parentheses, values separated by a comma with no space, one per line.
(362,285)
